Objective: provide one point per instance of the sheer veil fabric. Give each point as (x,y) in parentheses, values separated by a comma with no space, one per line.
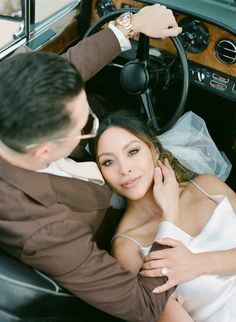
(190,142)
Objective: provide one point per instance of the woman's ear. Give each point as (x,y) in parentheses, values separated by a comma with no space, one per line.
(155,154)
(157,157)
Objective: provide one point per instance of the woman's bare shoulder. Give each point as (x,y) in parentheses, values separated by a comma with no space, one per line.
(214,186)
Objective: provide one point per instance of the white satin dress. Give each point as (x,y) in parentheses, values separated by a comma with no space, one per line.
(210,298)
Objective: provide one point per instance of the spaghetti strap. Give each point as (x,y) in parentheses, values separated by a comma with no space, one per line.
(128,237)
(203,191)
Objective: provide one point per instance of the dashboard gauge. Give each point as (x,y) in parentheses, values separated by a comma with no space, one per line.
(195,36)
(103,7)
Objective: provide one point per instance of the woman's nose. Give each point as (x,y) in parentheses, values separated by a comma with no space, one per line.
(125,170)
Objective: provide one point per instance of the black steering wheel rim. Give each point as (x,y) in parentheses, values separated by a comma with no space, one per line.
(180,51)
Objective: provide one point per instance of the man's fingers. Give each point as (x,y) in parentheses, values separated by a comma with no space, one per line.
(168,242)
(168,285)
(156,255)
(171,32)
(157,272)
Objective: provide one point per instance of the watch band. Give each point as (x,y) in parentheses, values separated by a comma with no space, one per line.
(125,20)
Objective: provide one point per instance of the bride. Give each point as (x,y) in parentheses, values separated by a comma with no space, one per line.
(199,230)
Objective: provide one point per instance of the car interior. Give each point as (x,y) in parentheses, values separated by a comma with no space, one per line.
(195,71)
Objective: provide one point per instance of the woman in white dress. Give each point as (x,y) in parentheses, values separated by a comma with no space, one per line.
(202,221)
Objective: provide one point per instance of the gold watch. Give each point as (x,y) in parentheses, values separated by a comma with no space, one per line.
(125,20)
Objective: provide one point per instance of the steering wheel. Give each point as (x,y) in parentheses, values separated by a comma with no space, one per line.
(137,76)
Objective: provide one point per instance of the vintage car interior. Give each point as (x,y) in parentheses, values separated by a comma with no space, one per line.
(193,72)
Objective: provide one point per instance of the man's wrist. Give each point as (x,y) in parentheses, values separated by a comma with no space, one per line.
(123,41)
(125,24)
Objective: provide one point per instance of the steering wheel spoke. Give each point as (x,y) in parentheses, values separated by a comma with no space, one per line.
(147,105)
(143,48)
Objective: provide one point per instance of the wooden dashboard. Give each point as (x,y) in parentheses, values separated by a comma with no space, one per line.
(206,58)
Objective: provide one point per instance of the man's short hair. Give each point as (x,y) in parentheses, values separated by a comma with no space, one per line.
(34,90)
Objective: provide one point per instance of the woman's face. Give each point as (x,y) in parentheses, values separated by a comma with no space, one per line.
(126,162)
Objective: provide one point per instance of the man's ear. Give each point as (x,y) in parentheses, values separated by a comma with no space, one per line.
(41,151)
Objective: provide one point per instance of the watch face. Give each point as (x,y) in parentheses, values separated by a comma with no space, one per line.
(125,20)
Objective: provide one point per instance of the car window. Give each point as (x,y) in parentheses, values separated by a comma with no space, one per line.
(46,8)
(24,20)
(10,8)
(10,20)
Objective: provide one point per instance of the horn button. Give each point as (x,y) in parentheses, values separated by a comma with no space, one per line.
(134,77)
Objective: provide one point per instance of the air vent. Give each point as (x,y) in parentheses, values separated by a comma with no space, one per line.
(225,51)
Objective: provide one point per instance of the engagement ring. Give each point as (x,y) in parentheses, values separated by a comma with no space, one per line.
(164,271)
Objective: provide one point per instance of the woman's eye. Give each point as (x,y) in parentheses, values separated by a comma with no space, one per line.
(107,163)
(133,151)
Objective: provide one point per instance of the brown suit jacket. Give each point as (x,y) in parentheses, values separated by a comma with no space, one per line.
(49,221)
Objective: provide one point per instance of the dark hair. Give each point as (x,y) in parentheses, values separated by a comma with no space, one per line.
(34,90)
(135,125)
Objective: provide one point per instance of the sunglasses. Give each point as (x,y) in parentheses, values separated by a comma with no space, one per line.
(89,131)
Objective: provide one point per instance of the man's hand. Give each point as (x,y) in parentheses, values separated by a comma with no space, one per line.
(183,265)
(156,21)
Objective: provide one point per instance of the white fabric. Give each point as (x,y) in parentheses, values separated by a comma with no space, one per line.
(86,171)
(210,298)
(53,169)
(190,142)
(166,229)
(123,41)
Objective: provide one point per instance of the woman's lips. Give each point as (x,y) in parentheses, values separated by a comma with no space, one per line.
(130,183)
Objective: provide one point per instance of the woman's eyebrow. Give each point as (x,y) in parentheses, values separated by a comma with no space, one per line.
(130,143)
(124,148)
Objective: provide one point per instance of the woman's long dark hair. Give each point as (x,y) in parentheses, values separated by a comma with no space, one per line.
(135,125)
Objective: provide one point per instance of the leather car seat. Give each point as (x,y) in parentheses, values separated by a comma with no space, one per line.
(27,295)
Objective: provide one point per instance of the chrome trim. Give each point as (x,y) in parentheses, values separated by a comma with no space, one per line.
(223,50)
(11,47)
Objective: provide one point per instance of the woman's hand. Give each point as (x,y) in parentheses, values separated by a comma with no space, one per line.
(166,191)
(182,264)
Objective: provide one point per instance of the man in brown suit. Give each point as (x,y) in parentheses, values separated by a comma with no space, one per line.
(48,217)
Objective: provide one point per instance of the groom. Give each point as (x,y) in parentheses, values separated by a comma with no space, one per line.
(48,217)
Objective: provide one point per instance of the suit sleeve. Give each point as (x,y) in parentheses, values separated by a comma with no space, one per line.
(91,54)
(64,250)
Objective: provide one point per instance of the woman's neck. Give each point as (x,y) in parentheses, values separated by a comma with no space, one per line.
(141,220)
(144,207)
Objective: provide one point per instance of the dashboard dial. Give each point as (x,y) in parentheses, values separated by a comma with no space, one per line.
(195,36)
(103,7)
